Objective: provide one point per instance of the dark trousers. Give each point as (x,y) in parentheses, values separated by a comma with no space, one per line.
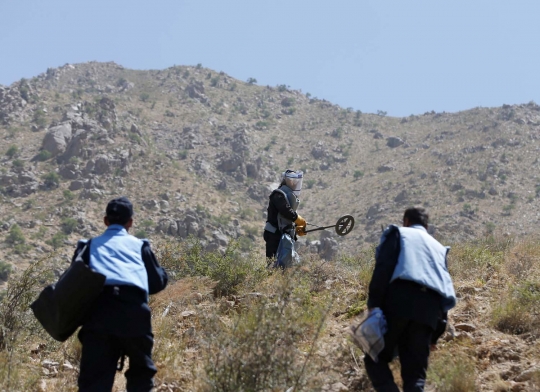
(272,243)
(100,356)
(412,341)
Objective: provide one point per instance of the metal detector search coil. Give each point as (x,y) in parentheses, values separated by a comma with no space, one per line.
(343,226)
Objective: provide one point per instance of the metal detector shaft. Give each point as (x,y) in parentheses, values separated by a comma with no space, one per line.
(319,228)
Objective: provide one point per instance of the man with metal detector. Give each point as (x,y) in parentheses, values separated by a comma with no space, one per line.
(412,287)
(282,216)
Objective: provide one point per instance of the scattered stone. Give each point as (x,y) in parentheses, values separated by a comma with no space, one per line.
(465,327)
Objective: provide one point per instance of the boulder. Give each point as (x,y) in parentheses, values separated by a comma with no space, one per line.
(394,141)
(57,138)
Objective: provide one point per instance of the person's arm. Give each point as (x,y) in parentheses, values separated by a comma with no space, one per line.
(157,276)
(385,264)
(282,205)
(441,328)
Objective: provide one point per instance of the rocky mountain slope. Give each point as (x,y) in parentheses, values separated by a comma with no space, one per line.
(199,152)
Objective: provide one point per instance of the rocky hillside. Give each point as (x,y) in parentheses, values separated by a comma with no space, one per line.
(199,152)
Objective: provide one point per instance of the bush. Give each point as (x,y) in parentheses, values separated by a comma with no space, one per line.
(141,233)
(18,163)
(251,81)
(229,270)
(269,345)
(14,308)
(310,183)
(43,155)
(15,236)
(5,270)
(519,312)
(12,151)
(144,96)
(69,225)
(52,180)
(68,195)
(452,372)
(57,240)
(358,174)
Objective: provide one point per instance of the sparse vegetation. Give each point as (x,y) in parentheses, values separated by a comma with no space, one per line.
(12,151)
(51,180)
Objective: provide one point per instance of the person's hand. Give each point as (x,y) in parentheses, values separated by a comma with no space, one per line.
(301,230)
(300,221)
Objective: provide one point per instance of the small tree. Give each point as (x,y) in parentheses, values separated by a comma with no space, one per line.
(252,80)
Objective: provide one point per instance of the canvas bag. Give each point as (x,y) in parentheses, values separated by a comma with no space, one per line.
(286,256)
(369,333)
(61,307)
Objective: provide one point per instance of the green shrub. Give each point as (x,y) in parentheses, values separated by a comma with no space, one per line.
(15,236)
(452,372)
(141,233)
(68,195)
(52,180)
(144,96)
(18,163)
(57,240)
(358,174)
(252,81)
(518,313)
(12,151)
(69,225)
(43,155)
(229,270)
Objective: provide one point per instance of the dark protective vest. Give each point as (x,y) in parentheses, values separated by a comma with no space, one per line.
(284,223)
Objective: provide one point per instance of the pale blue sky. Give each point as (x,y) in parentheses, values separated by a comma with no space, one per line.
(403,57)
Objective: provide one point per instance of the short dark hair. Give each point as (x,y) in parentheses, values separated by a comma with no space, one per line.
(417,216)
(119,211)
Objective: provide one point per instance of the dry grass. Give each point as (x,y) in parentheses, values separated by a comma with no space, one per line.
(272,330)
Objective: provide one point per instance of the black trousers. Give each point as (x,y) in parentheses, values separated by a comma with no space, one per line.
(272,243)
(100,356)
(412,341)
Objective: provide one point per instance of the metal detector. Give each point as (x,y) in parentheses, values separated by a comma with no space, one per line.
(343,226)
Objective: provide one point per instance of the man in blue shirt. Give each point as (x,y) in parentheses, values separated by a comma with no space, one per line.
(119,323)
(413,288)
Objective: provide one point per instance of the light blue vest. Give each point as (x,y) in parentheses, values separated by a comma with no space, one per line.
(422,259)
(117,255)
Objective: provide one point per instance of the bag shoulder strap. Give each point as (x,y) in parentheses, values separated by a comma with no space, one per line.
(84,254)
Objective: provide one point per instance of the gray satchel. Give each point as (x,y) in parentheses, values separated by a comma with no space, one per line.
(62,307)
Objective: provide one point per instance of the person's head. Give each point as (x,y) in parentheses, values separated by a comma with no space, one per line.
(416,216)
(293,179)
(119,211)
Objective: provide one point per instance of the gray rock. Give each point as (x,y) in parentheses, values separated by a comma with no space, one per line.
(319,151)
(57,138)
(394,141)
(402,197)
(220,238)
(385,168)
